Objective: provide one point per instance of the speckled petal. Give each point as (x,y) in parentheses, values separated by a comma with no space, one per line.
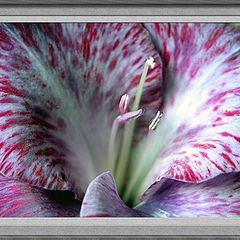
(60,85)
(199,134)
(217,197)
(18,199)
(102,200)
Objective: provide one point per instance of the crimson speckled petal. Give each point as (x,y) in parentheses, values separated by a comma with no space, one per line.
(60,85)
(217,197)
(199,134)
(102,200)
(18,199)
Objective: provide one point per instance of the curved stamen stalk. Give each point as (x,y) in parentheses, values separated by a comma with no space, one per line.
(144,163)
(121,119)
(129,129)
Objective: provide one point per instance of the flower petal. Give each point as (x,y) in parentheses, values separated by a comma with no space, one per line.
(217,197)
(102,200)
(18,199)
(60,85)
(199,133)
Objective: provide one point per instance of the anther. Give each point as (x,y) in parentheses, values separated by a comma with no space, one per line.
(151,62)
(123,104)
(128,116)
(155,121)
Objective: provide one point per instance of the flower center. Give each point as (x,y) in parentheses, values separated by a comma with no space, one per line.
(119,152)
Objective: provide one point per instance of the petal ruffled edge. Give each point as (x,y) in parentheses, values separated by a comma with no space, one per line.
(102,200)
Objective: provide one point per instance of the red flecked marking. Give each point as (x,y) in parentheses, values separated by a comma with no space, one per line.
(116,44)
(218,119)
(52,60)
(231,69)
(204,146)
(235,211)
(6,113)
(127,34)
(135,81)
(33,121)
(232,59)
(5,82)
(226,148)
(231,113)
(216,108)
(8,168)
(205,155)
(184,35)
(86,50)
(189,174)
(228,159)
(226,134)
(195,70)
(137,60)
(99,78)
(166,53)
(95,50)
(12,91)
(7,100)
(63,74)
(46,152)
(219,96)
(39,171)
(5,42)
(142,42)
(212,40)
(5,68)
(217,166)
(112,65)
(157,26)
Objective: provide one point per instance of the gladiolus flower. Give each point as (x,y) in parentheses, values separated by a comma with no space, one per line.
(105,120)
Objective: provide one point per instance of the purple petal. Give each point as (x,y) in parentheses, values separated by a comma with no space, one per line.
(218,197)
(199,134)
(102,200)
(60,85)
(18,199)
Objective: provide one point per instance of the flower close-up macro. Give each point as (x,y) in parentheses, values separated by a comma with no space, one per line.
(119,120)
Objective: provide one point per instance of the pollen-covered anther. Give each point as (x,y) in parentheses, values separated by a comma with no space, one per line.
(151,62)
(123,104)
(128,116)
(154,123)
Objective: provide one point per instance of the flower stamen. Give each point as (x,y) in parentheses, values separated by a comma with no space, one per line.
(123,104)
(123,118)
(144,164)
(153,125)
(129,130)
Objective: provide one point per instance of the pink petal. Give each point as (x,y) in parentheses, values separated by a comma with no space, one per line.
(60,85)
(199,134)
(102,200)
(218,197)
(18,199)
